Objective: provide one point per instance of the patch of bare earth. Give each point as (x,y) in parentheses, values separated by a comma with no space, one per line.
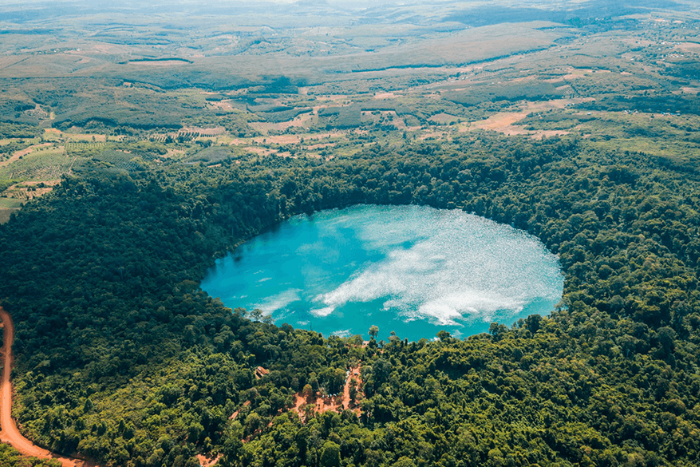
(31,190)
(504,122)
(317,403)
(295,139)
(235,414)
(221,105)
(299,122)
(689,47)
(385,95)
(174,153)
(571,74)
(158,63)
(432,134)
(524,79)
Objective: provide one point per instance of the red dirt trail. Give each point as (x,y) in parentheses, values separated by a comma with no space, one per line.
(321,404)
(9,433)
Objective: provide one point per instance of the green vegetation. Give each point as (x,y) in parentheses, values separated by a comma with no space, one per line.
(41,164)
(212,155)
(9,457)
(122,358)
(5,184)
(9,130)
(134,361)
(10,203)
(515,92)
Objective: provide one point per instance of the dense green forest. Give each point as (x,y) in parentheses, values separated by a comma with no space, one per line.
(122,358)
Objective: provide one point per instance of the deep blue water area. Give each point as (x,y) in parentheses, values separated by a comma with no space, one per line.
(409,269)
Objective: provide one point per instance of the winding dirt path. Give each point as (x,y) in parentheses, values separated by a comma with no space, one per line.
(353,376)
(9,433)
(325,404)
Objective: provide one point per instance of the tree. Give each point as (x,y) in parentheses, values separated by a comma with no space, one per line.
(666,336)
(330,457)
(443,335)
(497,330)
(256,314)
(533,323)
(353,390)
(253,422)
(373,331)
(355,340)
(393,338)
(307,392)
(381,370)
(195,432)
(404,462)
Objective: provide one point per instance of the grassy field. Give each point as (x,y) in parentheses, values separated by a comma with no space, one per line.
(7,207)
(5,214)
(9,203)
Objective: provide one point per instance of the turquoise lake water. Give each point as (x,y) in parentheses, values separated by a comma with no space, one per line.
(409,269)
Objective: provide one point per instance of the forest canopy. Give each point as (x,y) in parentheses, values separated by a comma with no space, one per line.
(122,358)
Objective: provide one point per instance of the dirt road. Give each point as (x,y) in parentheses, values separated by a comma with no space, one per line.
(353,375)
(9,432)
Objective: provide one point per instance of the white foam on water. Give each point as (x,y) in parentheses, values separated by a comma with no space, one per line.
(279,301)
(455,267)
(322,312)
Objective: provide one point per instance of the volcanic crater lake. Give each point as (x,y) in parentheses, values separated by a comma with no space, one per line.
(409,269)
